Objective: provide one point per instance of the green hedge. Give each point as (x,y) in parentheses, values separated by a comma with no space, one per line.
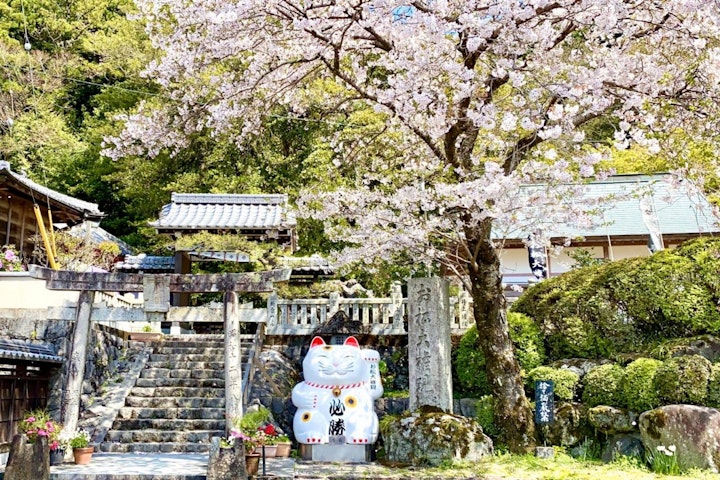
(683,380)
(627,305)
(713,397)
(602,386)
(637,389)
(469,361)
(565,381)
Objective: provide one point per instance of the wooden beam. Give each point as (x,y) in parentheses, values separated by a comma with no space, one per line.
(179,283)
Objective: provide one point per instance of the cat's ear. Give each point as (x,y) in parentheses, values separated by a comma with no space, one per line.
(317,342)
(352,342)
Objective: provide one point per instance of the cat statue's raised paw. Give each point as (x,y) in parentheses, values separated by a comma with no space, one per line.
(337,397)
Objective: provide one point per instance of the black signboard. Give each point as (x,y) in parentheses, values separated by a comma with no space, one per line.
(544,401)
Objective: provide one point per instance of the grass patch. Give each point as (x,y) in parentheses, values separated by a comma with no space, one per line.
(529,467)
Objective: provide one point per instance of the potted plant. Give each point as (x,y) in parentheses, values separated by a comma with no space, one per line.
(284,445)
(37,424)
(79,441)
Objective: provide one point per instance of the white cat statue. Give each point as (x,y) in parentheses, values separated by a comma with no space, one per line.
(336,398)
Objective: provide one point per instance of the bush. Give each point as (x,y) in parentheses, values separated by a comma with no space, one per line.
(470,361)
(470,365)
(485,416)
(602,386)
(713,397)
(565,381)
(527,339)
(683,380)
(637,388)
(623,306)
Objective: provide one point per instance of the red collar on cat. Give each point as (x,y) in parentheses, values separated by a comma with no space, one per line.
(336,389)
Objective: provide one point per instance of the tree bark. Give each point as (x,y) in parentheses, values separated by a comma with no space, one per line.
(513,414)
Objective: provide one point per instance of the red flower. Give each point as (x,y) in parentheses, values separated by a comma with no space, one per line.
(270,429)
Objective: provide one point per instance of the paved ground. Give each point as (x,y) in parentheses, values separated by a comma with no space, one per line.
(172,466)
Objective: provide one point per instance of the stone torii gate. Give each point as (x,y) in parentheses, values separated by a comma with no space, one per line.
(156,290)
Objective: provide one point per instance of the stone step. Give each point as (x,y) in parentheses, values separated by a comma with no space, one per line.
(182,373)
(198,350)
(154,447)
(162,436)
(177,392)
(167,424)
(172,402)
(217,413)
(190,357)
(184,365)
(181,382)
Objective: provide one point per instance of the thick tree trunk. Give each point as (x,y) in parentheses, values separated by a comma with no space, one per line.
(512,410)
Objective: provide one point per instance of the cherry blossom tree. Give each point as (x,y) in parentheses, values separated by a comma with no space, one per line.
(474,99)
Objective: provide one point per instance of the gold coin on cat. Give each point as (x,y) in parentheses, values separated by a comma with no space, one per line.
(336,391)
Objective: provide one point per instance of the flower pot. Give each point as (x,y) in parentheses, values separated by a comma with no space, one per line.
(57,456)
(252,463)
(83,455)
(283,449)
(270,450)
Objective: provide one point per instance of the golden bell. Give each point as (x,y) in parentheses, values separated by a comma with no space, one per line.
(336,391)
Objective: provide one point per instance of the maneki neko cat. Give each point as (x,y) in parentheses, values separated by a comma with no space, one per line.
(336,399)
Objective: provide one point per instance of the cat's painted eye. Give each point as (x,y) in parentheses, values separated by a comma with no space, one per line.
(351,401)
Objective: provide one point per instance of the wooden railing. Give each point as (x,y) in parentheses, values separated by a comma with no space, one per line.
(380,315)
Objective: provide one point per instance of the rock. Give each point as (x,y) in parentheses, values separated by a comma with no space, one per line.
(706,346)
(466,407)
(579,366)
(274,381)
(611,420)
(226,463)
(431,438)
(693,430)
(28,461)
(623,445)
(570,427)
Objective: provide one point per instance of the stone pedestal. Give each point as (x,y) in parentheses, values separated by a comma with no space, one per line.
(429,343)
(336,453)
(27,461)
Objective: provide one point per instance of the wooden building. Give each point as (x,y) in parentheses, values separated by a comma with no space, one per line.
(18,221)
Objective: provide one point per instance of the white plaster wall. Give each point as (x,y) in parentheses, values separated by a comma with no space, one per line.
(20,290)
(515,265)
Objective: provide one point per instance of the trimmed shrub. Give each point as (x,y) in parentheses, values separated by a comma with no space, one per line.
(485,416)
(705,252)
(470,365)
(637,388)
(713,397)
(470,361)
(527,339)
(602,386)
(624,306)
(683,380)
(565,381)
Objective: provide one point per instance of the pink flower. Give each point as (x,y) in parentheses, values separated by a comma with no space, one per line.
(29,419)
(54,445)
(42,433)
(10,255)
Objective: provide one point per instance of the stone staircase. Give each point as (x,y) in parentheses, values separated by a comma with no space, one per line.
(178,403)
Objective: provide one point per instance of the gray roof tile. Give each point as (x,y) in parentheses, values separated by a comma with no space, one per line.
(224,211)
(25,350)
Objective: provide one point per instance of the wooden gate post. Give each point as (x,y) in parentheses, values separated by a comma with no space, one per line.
(70,409)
